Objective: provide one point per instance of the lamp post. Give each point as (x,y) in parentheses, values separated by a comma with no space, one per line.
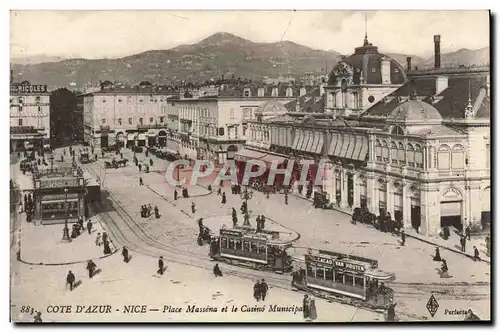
(246,195)
(66,237)
(51,158)
(135,143)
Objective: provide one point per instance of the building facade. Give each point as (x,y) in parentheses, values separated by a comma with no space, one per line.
(213,124)
(421,152)
(29,116)
(125,116)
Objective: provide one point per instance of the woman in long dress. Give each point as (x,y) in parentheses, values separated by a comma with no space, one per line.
(312,309)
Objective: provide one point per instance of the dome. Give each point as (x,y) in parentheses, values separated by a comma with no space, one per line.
(272,106)
(367,61)
(415,111)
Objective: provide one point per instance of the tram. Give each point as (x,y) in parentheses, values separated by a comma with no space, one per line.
(248,248)
(331,274)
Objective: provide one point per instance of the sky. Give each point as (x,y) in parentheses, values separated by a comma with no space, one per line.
(111,34)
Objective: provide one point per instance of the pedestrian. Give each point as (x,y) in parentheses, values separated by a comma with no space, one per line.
(91,268)
(391,312)
(403,237)
(140,167)
(89,226)
(157,212)
(141,182)
(312,309)
(70,279)
(121,155)
(264,288)
(476,255)
(219,191)
(258,223)
(463,241)
(38,317)
(223,198)
(221,183)
(437,256)
(150,210)
(262,222)
(193,208)
(104,237)
(256,291)
(98,240)
(286,198)
(217,271)
(107,248)
(160,266)
(306,307)
(175,194)
(467,232)
(125,254)
(151,162)
(80,223)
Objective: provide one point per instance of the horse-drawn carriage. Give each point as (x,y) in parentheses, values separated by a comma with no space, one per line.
(116,164)
(204,236)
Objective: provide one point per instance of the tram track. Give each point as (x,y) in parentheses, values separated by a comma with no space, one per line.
(142,242)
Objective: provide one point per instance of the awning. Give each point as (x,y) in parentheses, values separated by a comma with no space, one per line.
(59,201)
(364,148)
(345,145)
(152,133)
(350,147)
(270,158)
(338,146)
(247,154)
(300,141)
(130,137)
(310,141)
(319,145)
(142,137)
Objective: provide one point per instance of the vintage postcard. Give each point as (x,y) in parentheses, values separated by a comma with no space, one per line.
(250,166)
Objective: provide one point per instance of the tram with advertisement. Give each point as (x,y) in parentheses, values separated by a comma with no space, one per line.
(245,247)
(332,275)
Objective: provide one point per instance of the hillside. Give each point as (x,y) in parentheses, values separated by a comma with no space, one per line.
(220,54)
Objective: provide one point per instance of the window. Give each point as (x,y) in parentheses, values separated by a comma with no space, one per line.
(231,244)
(129,121)
(262,248)
(397,131)
(401,153)
(253,247)
(394,153)
(320,273)
(231,114)
(355,99)
(349,279)
(385,152)
(141,121)
(103,100)
(419,156)
(119,121)
(37,99)
(141,100)
(223,242)
(339,277)
(20,108)
(274,92)
(328,274)
(20,100)
(20,122)
(378,150)
(119,100)
(246,246)
(151,120)
(444,157)
(311,271)
(162,119)
(103,121)
(411,155)
(458,157)
(238,245)
(359,282)
(39,109)
(373,70)
(246,93)
(221,131)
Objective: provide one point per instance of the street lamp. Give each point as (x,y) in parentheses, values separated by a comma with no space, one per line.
(66,237)
(246,195)
(135,143)
(51,158)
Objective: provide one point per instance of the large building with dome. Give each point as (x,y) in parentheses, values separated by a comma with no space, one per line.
(414,144)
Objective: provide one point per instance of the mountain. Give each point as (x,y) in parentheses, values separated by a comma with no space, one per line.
(463,56)
(35,59)
(219,54)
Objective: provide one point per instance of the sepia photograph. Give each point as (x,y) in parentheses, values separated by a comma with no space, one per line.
(291,166)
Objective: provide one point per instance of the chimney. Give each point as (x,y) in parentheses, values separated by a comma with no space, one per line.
(437,51)
(441,84)
(408,63)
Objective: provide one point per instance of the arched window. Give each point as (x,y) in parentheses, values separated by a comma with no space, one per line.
(378,150)
(419,156)
(444,157)
(394,153)
(385,152)
(411,155)
(397,131)
(458,157)
(401,153)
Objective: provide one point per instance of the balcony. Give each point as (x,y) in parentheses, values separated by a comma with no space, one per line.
(152,126)
(26,129)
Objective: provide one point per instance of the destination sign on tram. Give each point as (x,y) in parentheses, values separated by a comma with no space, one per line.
(336,263)
(230,232)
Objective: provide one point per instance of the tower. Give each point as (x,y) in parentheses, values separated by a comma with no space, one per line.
(437,51)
